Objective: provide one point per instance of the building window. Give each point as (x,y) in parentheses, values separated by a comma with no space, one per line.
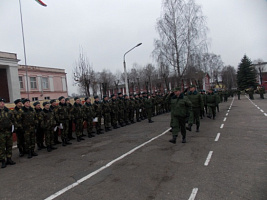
(47,98)
(45,82)
(33,82)
(34,98)
(20,82)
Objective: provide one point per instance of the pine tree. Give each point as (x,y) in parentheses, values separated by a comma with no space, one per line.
(246,74)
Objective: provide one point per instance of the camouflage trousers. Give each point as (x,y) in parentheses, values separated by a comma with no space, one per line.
(107,120)
(131,115)
(29,136)
(194,117)
(65,131)
(6,143)
(89,125)
(49,136)
(137,114)
(78,127)
(98,124)
(20,140)
(121,116)
(179,125)
(114,118)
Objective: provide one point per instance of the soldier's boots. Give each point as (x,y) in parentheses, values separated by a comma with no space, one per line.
(197,129)
(49,149)
(183,140)
(9,161)
(39,147)
(3,163)
(64,143)
(150,121)
(52,147)
(189,127)
(21,152)
(67,142)
(173,140)
(34,153)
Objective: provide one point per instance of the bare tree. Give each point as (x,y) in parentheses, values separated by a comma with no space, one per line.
(82,72)
(182,31)
(228,74)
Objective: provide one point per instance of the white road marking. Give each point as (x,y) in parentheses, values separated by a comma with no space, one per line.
(217,137)
(227,114)
(193,194)
(228,111)
(222,126)
(208,158)
(224,119)
(262,110)
(62,191)
(265,114)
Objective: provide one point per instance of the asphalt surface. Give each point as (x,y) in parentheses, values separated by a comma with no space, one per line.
(138,162)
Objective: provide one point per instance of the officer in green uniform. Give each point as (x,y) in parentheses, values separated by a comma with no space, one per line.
(149,106)
(39,130)
(211,102)
(29,122)
(97,105)
(88,114)
(137,108)
(238,93)
(180,107)
(106,109)
(126,109)
(197,104)
(53,105)
(17,114)
(120,109)
(77,117)
(6,142)
(131,108)
(70,128)
(262,91)
(48,124)
(62,117)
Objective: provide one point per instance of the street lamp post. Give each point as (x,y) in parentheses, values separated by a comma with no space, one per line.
(125,73)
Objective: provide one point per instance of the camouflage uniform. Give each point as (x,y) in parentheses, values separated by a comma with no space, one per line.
(114,113)
(77,117)
(149,106)
(131,109)
(106,109)
(61,114)
(88,114)
(126,110)
(211,103)
(6,142)
(98,113)
(137,108)
(121,111)
(39,130)
(17,114)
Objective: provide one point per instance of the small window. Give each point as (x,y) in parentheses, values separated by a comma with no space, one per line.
(45,83)
(20,82)
(47,98)
(33,83)
(34,98)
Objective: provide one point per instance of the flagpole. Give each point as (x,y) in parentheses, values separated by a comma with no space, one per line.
(24,49)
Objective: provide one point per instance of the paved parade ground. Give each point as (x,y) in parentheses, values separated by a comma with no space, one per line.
(227,159)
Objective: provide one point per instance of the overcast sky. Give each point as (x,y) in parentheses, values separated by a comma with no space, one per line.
(106,29)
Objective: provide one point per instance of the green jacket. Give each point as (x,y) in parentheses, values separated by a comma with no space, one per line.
(88,111)
(195,99)
(211,99)
(181,106)
(6,119)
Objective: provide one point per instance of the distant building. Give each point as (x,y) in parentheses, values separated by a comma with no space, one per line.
(43,83)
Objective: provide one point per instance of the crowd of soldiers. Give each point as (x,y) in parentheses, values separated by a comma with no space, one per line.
(43,126)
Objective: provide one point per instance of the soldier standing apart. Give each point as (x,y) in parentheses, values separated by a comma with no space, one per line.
(62,118)
(6,140)
(29,122)
(180,106)
(106,113)
(211,102)
(77,117)
(218,101)
(149,106)
(53,105)
(88,114)
(39,130)
(69,105)
(98,114)
(17,114)
(238,93)
(48,124)
(197,105)
(114,112)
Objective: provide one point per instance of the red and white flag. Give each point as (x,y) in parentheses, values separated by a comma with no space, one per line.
(41,3)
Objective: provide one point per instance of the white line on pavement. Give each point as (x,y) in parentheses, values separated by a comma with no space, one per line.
(262,110)
(217,137)
(53,196)
(227,114)
(208,158)
(222,126)
(193,194)
(224,119)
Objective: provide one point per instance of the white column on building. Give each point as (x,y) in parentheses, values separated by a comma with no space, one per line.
(64,85)
(51,84)
(13,82)
(39,82)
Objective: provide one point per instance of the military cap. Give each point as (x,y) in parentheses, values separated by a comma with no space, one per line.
(36,103)
(144,93)
(131,95)
(45,103)
(17,101)
(86,98)
(61,98)
(76,98)
(191,86)
(119,93)
(113,95)
(136,95)
(177,89)
(52,101)
(96,97)
(125,95)
(105,96)
(25,100)
(67,99)
(2,100)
